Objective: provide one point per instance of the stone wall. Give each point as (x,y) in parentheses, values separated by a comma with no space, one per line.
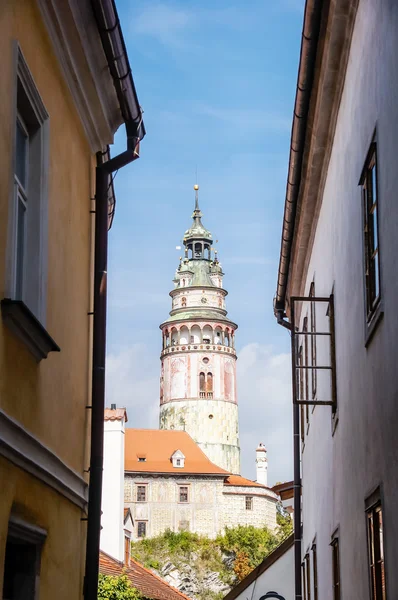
(210,508)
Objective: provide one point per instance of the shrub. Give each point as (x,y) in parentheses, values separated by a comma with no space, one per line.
(116,588)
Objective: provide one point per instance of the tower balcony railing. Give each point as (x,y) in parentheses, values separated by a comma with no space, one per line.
(198,347)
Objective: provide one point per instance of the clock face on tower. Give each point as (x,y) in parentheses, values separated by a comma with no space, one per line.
(204,300)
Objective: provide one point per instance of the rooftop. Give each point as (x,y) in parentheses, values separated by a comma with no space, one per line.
(146,582)
(157,446)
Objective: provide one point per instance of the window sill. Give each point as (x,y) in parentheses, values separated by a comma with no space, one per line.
(371,326)
(22,322)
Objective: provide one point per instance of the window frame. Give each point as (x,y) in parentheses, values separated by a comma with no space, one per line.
(139,525)
(36,192)
(249,503)
(19,531)
(373,306)
(180,488)
(336,573)
(140,487)
(374,507)
(315,569)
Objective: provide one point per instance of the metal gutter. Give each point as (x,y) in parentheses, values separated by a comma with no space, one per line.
(308,53)
(113,44)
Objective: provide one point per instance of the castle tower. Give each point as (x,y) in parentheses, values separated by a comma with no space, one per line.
(198,359)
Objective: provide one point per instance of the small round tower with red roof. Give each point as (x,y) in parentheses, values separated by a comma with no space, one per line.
(198,358)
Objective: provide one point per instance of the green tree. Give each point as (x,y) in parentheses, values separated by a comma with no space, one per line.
(116,588)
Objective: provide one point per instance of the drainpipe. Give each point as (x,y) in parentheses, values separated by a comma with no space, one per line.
(296,481)
(103,182)
(114,48)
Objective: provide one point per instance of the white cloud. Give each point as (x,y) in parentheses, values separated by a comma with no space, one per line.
(265,410)
(132,381)
(163,22)
(242,119)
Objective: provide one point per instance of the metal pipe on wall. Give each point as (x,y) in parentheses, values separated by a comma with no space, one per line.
(98,381)
(296,476)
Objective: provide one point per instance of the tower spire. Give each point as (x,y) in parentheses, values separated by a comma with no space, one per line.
(196,188)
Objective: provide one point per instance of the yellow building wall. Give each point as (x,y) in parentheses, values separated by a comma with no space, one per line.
(62,557)
(49,398)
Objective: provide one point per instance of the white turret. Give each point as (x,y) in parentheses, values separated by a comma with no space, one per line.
(261,464)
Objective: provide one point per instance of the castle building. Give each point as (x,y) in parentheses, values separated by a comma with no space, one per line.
(198,358)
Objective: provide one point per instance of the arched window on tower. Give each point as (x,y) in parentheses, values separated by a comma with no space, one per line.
(198,250)
(202,385)
(209,385)
(183,301)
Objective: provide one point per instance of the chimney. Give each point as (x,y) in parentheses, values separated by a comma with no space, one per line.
(112,504)
(261,464)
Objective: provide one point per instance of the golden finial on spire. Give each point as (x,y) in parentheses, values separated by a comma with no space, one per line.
(196,187)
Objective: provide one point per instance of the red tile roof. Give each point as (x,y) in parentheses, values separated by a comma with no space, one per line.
(115,414)
(241,481)
(158,445)
(146,582)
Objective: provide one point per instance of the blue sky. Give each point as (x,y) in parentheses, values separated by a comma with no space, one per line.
(217,82)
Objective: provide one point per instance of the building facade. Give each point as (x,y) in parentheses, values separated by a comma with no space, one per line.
(58,109)
(169,483)
(339,248)
(198,358)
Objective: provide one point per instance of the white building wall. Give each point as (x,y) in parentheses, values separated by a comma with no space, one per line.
(340,471)
(279,577)
(212,506)
(112,519)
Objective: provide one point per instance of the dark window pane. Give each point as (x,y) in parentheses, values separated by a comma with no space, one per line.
(21,154)
(373,183)
(21,232)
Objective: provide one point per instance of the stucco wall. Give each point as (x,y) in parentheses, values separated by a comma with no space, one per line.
(213,424)
(279,578)
(340,471)
(212,506)
(112,504)
(48,398)
(63,554)
(40,395)
(235,512)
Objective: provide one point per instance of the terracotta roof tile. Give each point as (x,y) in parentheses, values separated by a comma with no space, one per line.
(158,445)
(115,414)
(147,583)
(238,481)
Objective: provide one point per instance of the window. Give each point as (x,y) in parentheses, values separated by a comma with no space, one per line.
(183,493)
(202,385)
(315,570)
(304,577)
(249,502)
(141,493)
(369,185)
(301,375)
(183,299)
(27,248)
(375,533)
(313,341)
(306,371)
(178,462)
(141,459)
(22,560)
(183,526)
(336,567)
(209,385)
(141,529)
(308,575)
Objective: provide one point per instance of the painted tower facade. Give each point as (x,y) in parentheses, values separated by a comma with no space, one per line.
(198,359)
